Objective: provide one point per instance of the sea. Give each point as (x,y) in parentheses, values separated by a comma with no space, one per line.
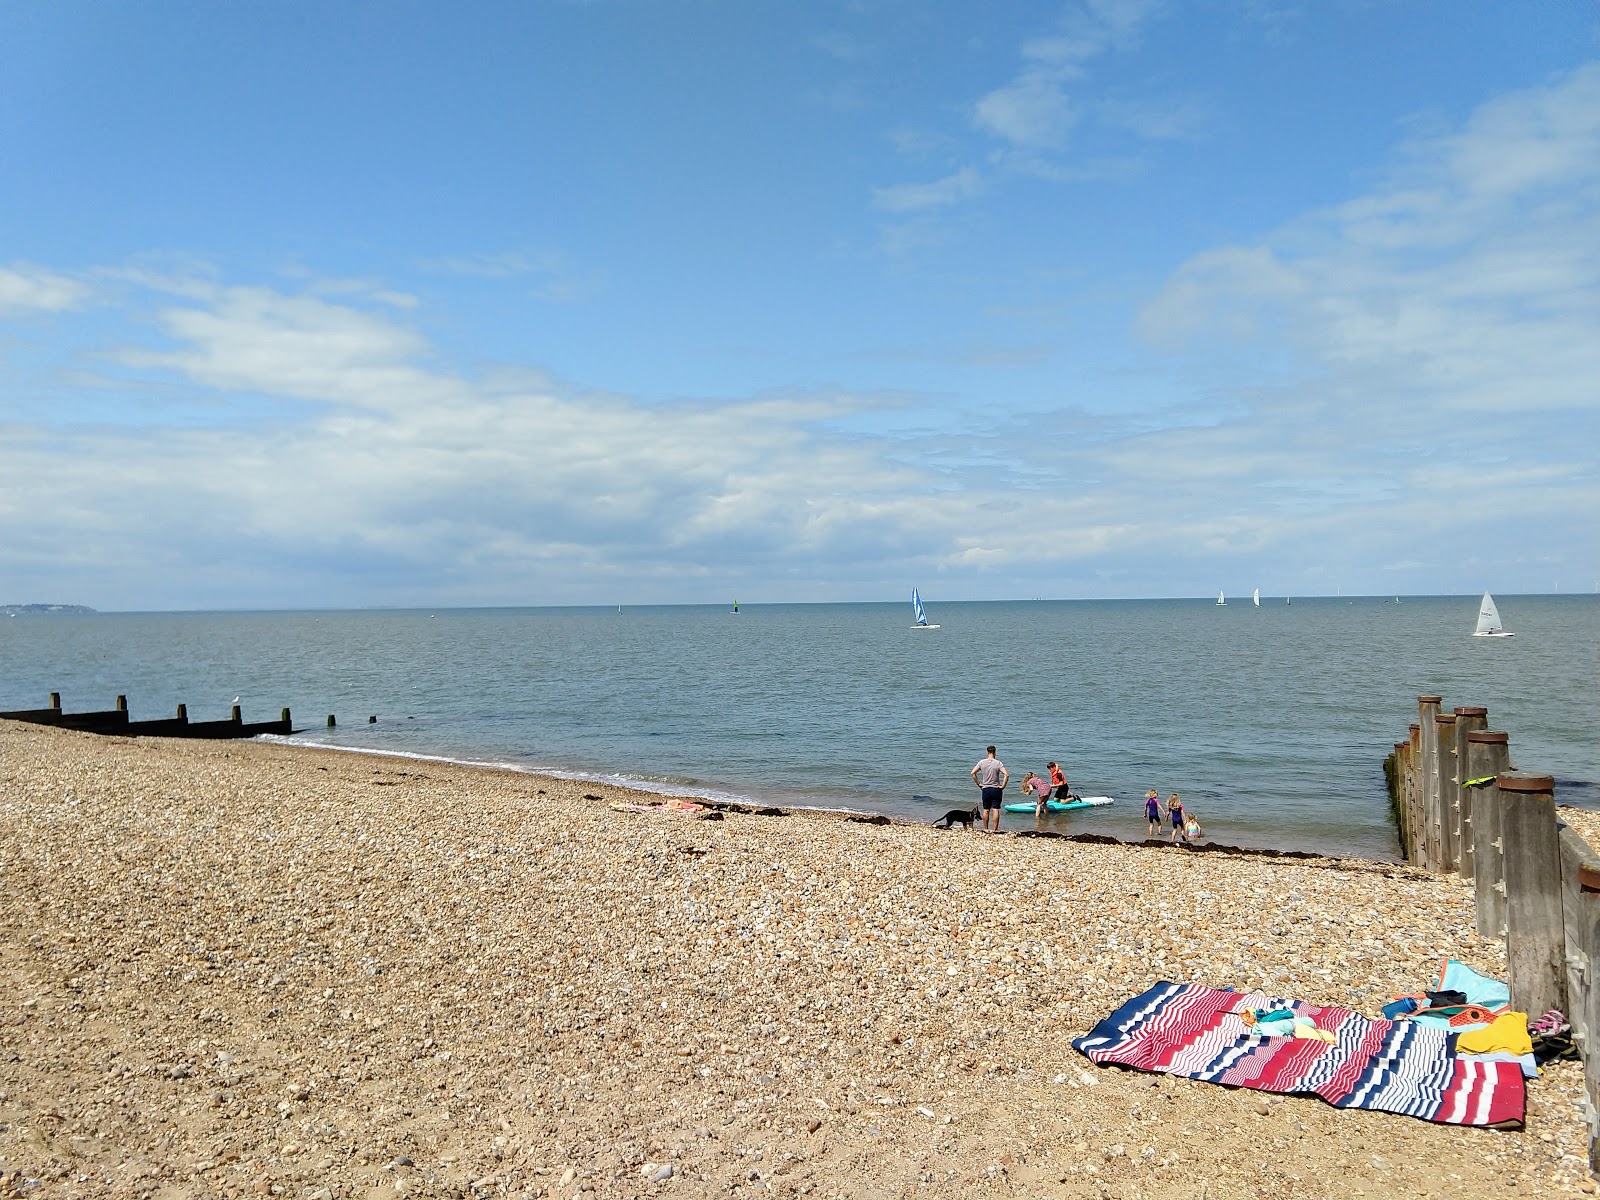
(1272,722)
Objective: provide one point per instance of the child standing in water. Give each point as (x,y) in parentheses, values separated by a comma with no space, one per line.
(1038,789)
(1175,811)
(1152,812)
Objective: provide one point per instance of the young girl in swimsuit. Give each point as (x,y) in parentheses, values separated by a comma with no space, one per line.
(1152,812)
(1037,787)
(1175,811)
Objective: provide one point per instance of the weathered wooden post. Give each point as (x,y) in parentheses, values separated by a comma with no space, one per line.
(1467,720)
(1402,793)
(330,721)
(238,715)
(1580,911)
(286,722)
(1445,785)
(1392,768)
(183,712)
(122,704)
(1536,935)
(1428,781)
(1487,755)
(55,701)
(1588,916)
(1414,795)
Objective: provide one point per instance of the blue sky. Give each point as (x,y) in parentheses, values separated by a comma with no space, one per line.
(312,305)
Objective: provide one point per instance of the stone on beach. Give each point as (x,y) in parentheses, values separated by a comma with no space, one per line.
(235,965)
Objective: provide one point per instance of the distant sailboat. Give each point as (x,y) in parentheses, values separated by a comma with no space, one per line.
(1255,598)
(1489,620)
(920,618)
(735,607)
(1220,599)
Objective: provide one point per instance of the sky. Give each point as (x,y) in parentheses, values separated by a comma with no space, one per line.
(676,301)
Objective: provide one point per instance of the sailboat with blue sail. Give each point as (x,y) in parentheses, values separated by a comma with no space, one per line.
(919,617)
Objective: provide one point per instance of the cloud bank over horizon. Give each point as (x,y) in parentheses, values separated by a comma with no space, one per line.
(1389,386)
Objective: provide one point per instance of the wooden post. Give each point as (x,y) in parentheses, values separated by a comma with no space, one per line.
(1428,780)
(1414,795)
(1445,784)
(1536,935)
(55,701)
(238,715)
(1394,766)
(1587,921)
(1488,754)
(285,719)
(1580,913)
(1467,720)
(1404,788)
(122,704)
(183,712)
(330,721)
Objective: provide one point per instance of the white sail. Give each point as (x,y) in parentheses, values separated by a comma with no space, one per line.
(920,618)
(1256,598)
(1489,620)
(1220,599)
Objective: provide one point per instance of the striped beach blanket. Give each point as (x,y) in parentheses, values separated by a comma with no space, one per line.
(1196,1032)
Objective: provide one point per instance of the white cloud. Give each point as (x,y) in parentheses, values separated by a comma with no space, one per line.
(1033,110)
(914,197)
(1462,283)
(1156,119)
(1034,115)
(252,339)
(1413,368)
(25,288)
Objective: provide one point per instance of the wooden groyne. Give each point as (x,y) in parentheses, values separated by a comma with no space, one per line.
(115,721)
(1461,806)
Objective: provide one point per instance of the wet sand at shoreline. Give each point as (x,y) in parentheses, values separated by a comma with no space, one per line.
(238,969)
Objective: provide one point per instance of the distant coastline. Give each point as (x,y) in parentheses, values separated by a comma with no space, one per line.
(12,610)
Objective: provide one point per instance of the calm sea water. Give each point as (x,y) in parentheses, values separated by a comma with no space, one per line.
(1272,722)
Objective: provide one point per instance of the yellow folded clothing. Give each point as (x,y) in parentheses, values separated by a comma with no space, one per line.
(1508,1032)
(1303,1028)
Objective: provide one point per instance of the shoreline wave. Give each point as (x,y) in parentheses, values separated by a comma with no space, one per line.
(605,778)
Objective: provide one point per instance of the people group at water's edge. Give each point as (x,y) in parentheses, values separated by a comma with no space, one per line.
(991,776)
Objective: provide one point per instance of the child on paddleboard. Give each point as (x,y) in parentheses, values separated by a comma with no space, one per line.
(1058,780)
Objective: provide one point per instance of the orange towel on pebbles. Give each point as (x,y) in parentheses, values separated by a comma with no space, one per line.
(1508,1032)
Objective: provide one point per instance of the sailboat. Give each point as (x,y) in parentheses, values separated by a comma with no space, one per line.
(1489,620)
(1220,600)
(1255,598)
(921,618)
(736,607)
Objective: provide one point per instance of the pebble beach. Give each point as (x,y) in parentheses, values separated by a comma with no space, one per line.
(233,969)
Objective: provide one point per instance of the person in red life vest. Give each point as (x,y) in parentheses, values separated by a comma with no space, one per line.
(1058,780)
